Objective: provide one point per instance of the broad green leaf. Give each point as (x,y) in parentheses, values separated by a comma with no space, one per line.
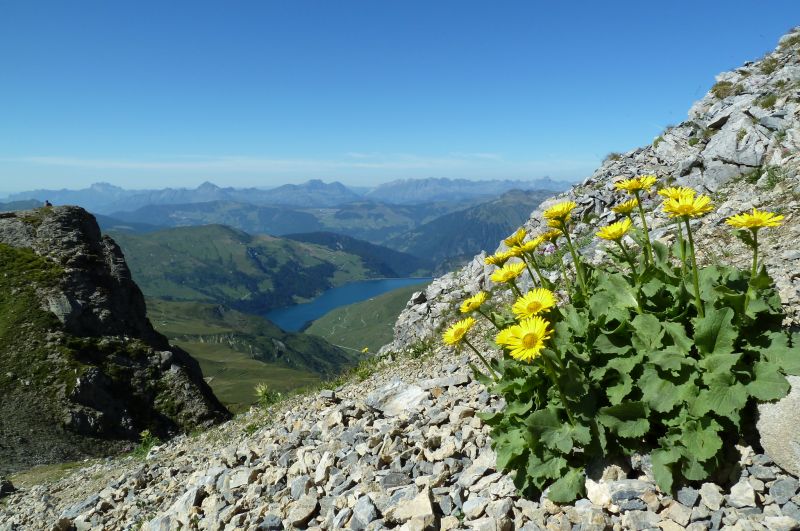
(701,438)
(568,488)
(678,334)
(616,393)
(768,382)
(628,419)
(518,408)
(551,468)
(779,352)
(542,421)
(647,332)
(716,364)
(695,470)
(715,333)
(670,358)
(663,461)
(661,394)
(508,446)
(558,439)
(725,397)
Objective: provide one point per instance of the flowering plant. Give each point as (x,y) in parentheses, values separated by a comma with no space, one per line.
(647,353)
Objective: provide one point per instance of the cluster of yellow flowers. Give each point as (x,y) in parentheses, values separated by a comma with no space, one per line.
(526,339)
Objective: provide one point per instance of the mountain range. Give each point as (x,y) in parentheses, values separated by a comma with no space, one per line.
(104,198)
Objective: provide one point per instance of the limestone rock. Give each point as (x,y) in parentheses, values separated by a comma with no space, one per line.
(777,426)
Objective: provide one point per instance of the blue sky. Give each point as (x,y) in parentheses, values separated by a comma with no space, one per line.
(154,94)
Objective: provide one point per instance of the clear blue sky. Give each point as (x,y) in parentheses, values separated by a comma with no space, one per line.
(172,93)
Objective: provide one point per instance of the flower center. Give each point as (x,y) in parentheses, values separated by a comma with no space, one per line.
(534,307)
(529,340)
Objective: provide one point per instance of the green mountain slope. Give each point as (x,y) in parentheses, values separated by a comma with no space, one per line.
(236,350)
(458,236)
(365,220)
(364,324)
(219,264)
(389,262)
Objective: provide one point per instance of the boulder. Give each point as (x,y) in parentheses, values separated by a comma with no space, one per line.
(777,427)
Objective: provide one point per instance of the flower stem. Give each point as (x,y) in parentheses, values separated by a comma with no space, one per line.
(682,246)
(489,317)
(515,288)
(648,247)
(577,262)
(480,356)
(697,301)
(552,373)
(753,269)
(634,275)
(544,282)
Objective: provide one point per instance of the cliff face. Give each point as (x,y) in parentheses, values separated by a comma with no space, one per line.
(740,144)
(82,371)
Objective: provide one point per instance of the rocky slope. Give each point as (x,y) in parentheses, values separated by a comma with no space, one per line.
(404,449)
(82,371)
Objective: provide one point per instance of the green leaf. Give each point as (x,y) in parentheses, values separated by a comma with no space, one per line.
(671,358)
(779,352)
(558,439)
(716,364)
(647,332)
(725,397)
(551,468)
(715,333)
(628,419)
(663,461)
(568,488)
(508,446)
(768,383)
(677,332)
(661,394)
(701,438)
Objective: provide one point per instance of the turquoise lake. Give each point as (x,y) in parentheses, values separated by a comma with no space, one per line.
(296,318)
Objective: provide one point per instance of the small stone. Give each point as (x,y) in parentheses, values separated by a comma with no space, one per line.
(764,473)
(327,394)
(270,522)
(419,507)
(473,507)
(394,479)
(598,492)
(300,486)
(711,495)
(678,512)
(341,518)
(500,508)
(640,520)
(791,509)
(669,525)
(626,489)
(688,496)
(742,494)
(449,522)
(783,489)
(364,512)
(781,523)
(301,511)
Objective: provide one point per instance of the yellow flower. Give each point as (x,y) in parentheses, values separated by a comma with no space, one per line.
(559,212)
(675,192)
(365,350)
(615,231)
(551,235)
(503,337)
(454,334)
(525,341)
(499,259)
(688,205)
(533,303)
(515,252)
(532,245)
(754,220)
(642,182)
(627,207)
(516,238)
(508,272)
(474,302)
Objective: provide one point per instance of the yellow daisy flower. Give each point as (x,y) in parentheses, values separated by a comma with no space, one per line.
(503,337)
(689,205)
(508,272)
(474,302)
(533,303)
(675,192)
(525,341)
(454,334)
(642,182)
(532,245)
(499,259)
(516,238)
(365,350)
(615,231)
(627,207)
(551,235)
(756,219)
(559,212)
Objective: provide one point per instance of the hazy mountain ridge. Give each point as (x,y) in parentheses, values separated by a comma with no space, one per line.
(410,191)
